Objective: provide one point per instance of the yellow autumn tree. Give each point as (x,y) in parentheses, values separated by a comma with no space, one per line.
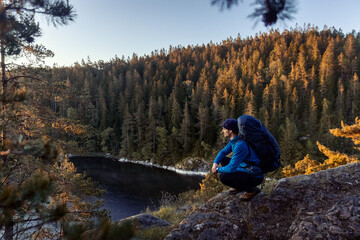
(209,187)
(352,131)
(304,166)
(334,158)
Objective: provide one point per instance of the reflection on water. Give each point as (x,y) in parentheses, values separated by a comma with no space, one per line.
(131,188)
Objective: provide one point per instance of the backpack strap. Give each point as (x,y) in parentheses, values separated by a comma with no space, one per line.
(243,138)
(248,145)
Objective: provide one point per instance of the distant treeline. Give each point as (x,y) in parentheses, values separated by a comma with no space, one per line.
(170,104)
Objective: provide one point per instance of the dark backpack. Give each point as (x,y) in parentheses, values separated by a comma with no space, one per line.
(260,139)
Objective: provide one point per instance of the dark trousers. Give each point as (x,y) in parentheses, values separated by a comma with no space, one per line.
(242,181)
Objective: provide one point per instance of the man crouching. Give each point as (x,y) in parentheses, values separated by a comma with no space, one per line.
(241,171)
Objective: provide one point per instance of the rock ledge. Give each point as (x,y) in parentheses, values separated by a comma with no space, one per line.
(323,205)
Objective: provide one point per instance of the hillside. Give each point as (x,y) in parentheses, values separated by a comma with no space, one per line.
(170,105)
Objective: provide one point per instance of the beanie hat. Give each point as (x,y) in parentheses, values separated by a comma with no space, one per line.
(231,124)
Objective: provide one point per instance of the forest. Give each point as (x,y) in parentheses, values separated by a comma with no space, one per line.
(164,107)
(170,104)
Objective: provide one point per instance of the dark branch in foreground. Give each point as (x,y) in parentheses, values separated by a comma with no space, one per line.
(269,11)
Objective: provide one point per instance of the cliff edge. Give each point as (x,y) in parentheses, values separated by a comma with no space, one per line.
(322,205)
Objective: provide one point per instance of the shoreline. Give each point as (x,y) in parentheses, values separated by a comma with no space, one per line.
(146,163)
(170,168)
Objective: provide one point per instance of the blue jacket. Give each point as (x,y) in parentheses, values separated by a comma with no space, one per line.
(237,163)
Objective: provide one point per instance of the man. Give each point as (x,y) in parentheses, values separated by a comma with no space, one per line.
(241,171)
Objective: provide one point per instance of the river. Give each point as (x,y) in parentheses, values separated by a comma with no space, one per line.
(132,188)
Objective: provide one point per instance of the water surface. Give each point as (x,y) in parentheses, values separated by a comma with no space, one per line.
(131,188)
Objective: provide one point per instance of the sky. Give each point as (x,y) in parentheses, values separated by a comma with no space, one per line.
(108,28)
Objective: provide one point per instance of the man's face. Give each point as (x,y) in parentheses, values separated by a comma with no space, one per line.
(226,132)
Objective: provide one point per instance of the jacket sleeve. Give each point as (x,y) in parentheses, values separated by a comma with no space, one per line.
(225,151)
(240,152)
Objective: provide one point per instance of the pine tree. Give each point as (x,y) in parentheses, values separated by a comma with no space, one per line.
(102,109)
(344,65)
(313,116)
(340,101)
(107,140)
(175,144)
(149,149)
(140,120)
(18,30)
(312,43)
(162,151)
(325,121)
(185,130)
(350,46)
(175,111)
(354,98)
(216,108)
(127,130)
(327,77)
(301,72)
(24,196)
(290,147)
(203,124)
(251,104)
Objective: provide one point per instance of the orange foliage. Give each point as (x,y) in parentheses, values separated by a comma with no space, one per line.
(68,127)
(304,166)
(334,159)
(352,131)
(73,187)
(209,187)
(31,123)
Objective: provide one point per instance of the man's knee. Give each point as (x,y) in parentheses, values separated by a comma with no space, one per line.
(230,178)
(238,180)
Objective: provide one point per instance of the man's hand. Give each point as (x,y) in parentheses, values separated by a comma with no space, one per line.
(214,167)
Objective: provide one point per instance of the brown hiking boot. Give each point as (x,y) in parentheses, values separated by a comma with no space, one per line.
(233,191)
(247,196)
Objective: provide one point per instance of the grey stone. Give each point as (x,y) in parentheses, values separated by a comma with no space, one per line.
(144,220)
(323,205)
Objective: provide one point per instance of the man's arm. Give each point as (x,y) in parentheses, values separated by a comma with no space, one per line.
(239,154)
(225,151)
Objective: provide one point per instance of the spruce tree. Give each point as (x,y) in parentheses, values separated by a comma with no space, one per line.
(290,147)
(327,77)
(354,96)
(185,130)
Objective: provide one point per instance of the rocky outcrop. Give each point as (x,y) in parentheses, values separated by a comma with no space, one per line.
(144,220)
(323,205)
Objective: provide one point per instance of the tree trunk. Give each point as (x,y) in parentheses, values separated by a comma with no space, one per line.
(9,231)
(3,75)
(4,86)
(9,225)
